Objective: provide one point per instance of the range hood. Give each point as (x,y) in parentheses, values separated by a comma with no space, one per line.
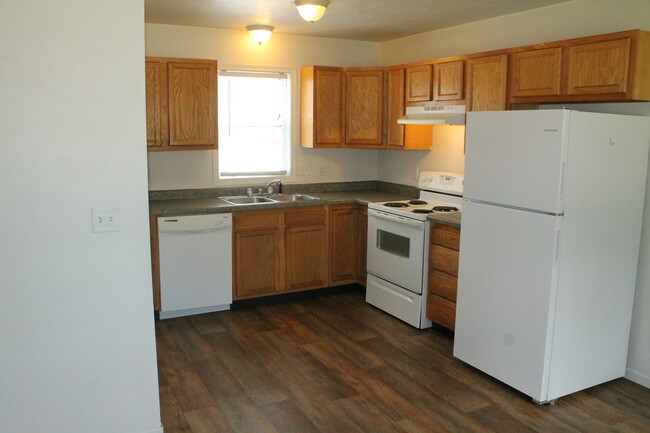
(434,115)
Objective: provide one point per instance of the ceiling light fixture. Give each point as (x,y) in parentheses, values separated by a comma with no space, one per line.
(260,32)
(311,10)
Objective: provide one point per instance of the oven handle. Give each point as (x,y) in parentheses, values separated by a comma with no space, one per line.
(397,219)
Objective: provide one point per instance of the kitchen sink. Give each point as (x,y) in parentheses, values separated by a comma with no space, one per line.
(244,199)
(256,199)
(292,197)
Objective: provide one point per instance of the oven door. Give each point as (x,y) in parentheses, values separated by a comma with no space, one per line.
(396,249)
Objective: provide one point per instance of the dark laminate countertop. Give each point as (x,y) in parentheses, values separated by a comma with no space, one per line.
(207,205)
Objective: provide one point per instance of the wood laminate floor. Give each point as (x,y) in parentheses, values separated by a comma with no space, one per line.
(335,364)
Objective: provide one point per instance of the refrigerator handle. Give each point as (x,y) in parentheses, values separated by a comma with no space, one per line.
(562,175)
(557,248)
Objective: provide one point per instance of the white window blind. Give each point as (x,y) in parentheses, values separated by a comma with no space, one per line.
(253,124)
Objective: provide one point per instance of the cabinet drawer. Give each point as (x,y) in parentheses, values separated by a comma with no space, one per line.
(305,216)
(443,259)
(445,236)
(443,285)
(254,220)
(441,311)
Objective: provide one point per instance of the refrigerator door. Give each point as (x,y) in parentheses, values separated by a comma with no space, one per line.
(506,290)
(516,158)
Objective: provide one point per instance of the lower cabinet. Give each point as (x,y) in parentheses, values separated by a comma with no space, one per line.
(155,261)
(279,251)
(443,274)
(304,248)
(345,244)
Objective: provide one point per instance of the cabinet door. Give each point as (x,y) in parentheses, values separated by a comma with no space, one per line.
(328,107)
(448,81)
(486,83)
(156,96)
(364,95)
(418,83)
(395,109)
(155,261)
(536,73)
(257,263)
(598,68)
(192,90)
(345,244)
(363,243)
(306,257)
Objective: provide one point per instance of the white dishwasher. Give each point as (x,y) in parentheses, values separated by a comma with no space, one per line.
(195,264)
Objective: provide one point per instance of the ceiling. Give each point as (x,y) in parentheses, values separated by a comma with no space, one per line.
(364,20)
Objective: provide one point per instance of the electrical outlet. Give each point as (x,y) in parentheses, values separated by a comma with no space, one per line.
(105,218)
(322,171)
(416,173)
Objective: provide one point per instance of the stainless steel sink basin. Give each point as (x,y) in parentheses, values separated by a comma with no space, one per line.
(256,199)
(292,197)
(246,200)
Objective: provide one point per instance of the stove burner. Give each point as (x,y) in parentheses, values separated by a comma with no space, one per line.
(422,211)
(396,204)
(417,202)
(445,209)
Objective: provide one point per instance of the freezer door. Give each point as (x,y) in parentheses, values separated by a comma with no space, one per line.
(506,288)
(516,158)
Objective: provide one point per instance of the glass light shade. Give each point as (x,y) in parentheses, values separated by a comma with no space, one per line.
(260,32)
(311,10)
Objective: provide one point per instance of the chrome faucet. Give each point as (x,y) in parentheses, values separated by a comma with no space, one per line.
(279,182)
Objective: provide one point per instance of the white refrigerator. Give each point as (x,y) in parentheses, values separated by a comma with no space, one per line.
(549,246)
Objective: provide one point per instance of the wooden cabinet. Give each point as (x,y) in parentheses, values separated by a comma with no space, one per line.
(279,251)
(443,274)
(321,107)
(257,254)
(535,73)
(403,137)
(306,251)
(344,223)
(364,107)
(341,107)
(155,261)
(363,243)
(598,67)
(419,83)
(448,81)
(609,67)
(395,108)
(486,83)
(181,98)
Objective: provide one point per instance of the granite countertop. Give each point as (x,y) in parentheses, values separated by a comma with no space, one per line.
(177,203)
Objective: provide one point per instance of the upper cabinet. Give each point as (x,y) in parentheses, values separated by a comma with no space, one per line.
(535,73)
(486,83)
(418,83)
(610,67)
(321,106)
(364,107)
(448,81)
(181,98)
(395,108)
(341,107)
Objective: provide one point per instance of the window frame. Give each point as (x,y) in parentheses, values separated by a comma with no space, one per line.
(292,129)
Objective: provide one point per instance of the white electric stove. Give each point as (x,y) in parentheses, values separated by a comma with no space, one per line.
(398,247)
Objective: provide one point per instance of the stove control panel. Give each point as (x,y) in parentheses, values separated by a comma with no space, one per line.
(440,181)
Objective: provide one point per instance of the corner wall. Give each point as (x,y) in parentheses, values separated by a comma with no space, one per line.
(77,347)
(195,169)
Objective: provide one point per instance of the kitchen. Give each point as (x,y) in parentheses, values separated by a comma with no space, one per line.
(195,170)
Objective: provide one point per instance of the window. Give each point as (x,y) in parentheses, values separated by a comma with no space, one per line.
(254,125)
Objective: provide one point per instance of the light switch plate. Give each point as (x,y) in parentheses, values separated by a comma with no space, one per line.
(106,218)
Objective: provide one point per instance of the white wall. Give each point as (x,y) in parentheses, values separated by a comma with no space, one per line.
(185,170)
(77,348)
